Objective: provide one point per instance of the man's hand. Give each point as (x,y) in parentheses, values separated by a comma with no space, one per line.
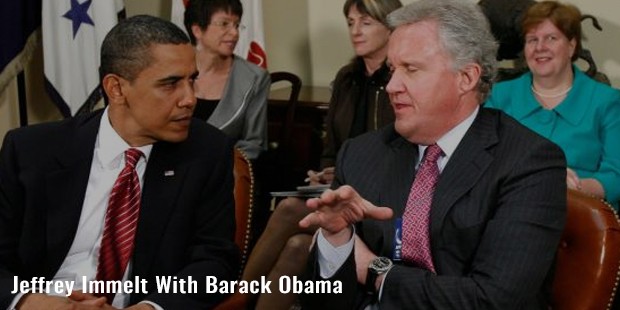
(337,209)
(86,298)
(46,302)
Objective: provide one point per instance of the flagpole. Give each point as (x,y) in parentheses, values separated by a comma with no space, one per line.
(21,98)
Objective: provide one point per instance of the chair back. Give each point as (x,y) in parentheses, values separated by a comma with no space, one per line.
(284,143)
(588,259)
(244,203)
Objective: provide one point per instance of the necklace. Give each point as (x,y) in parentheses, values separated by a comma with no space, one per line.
(562,93)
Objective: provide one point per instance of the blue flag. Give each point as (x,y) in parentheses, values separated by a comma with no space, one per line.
(19,21)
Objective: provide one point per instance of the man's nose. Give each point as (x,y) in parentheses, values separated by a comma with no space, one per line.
(395,84)
(189,98)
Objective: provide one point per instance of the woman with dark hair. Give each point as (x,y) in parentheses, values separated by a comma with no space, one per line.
(358,104)
(561,103)
(231,92)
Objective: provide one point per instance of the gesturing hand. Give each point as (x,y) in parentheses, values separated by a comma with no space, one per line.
(337,209)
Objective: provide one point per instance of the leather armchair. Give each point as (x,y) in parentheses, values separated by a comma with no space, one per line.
(588,259)
(244,206)
(244,203)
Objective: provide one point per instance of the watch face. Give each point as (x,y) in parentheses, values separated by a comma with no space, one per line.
(381,264)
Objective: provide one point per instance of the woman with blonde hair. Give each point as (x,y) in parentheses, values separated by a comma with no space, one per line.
(358,104)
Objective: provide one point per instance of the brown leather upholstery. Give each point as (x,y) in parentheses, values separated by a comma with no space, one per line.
(244,200)
(244,203)
(588,259)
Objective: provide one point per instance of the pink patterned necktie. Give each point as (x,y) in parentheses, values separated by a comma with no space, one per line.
(120,223)
(416,242)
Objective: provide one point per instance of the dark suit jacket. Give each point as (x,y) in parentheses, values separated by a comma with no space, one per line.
(186,222)
(497,215)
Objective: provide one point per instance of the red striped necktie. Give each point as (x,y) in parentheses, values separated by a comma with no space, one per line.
(121,220)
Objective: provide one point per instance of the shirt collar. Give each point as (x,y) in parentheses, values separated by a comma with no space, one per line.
(570,109)
(452,138)
(110,147)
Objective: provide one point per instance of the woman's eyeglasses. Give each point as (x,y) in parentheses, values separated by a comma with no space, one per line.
(228,25)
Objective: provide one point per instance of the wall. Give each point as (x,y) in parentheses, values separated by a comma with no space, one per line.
(287,38)
(605,45)
(330,46)
(309,38)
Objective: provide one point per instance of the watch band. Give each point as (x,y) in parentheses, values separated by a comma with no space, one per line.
(377,266)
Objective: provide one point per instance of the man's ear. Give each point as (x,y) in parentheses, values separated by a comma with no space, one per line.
(112,87)
(469,76)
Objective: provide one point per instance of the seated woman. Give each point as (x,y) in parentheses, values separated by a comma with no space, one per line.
(561,103)
(232,92)
(358,104)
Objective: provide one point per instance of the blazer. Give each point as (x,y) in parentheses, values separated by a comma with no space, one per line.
(242,110)
(186,223)
(586,125)
(496,218)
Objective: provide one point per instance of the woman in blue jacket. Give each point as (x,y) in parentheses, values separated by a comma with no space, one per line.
(561,103)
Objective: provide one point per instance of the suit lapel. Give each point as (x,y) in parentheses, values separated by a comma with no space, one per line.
(400,169)
(235,93)
(467,165)
(66,188)
(162,181)
(397,174)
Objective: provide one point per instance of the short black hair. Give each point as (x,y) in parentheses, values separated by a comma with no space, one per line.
(199,12)
(125,51)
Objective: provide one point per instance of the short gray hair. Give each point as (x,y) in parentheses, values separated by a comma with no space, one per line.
(377,9)
(463,31)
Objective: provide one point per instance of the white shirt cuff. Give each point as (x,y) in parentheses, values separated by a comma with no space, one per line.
(16,300)
(332,258)
(382,283)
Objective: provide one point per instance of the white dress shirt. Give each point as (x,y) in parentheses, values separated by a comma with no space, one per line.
(83,256)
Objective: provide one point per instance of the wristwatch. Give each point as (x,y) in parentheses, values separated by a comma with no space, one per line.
(377,266)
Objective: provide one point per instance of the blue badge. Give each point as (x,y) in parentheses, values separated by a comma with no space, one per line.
(398,237)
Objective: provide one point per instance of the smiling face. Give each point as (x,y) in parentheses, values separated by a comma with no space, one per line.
(548,51)
(221,34)
(427,94)
(368,36)
(158,104)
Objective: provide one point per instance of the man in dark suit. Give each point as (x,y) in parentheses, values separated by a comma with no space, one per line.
(496,211)
(56,181)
